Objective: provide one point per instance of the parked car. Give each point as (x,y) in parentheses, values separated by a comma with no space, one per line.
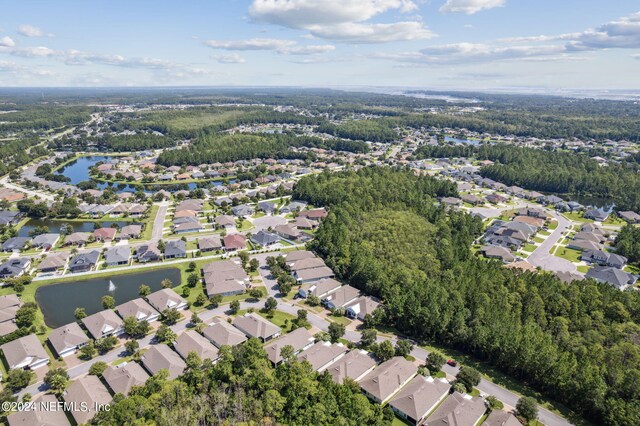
(452,363)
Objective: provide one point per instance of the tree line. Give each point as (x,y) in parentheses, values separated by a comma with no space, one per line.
(385,235)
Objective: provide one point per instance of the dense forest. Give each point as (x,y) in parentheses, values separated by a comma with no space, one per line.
(42,117)
(18,152)
(367,130)
(114,143)
(244,388)
(385,235)
(221,148)
(627,243)
(550,171)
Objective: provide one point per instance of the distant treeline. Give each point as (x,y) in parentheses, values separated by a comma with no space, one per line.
(550,171)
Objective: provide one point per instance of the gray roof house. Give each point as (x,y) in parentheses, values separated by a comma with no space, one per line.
(15,243)
(264,238)
(148,252)
(501,418)
(341,297)
(14,267)
(9,306)
(419,397)
(313,274)
(25,352)
(118,255)
(104,323)
(362,306)
(322,354)
(53,261)
(384,381)
(122,377)
(319,288)
(253,325)
(242,210)
(162,357)
(130,231)
(45,241)
(614,276)
(267,207)
(67,339)
(83,262)
(39,416)
(175,249)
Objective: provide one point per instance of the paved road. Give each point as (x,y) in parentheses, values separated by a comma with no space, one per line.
(158,223)
(5,182)
(541,256)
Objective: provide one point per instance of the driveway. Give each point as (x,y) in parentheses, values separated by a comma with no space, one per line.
(545,260)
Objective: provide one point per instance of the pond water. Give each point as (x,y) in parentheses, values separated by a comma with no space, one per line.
(462,141)
(55,225)
(59,301)
(78,171)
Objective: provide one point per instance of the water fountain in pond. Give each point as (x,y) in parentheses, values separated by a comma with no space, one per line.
(112,286)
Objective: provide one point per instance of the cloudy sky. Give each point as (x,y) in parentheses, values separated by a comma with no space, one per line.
(462,44)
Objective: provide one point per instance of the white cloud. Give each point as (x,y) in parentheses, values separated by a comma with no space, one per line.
(470,6)
(623,33)
(250,44)
(32,31)
(7,42)
(341,20)
(9,66)
(37,51)
(286,47)
(232,58)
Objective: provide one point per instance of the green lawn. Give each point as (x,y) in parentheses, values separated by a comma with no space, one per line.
(614,220)
(538,240)
(577,217)
(583,268)
(569,254)
(529,248)
(340,320)
(545,233)
(552,225)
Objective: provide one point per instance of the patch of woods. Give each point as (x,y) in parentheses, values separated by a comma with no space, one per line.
(551,171)
(386,235)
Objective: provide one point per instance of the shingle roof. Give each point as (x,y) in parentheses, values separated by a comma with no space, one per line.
(123,377)
(88,390)
(67,336)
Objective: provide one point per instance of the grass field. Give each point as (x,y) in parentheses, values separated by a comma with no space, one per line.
(568,254)
(194,119)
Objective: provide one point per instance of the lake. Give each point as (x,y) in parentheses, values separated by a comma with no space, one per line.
(55,225)
(78,170)
(59,301)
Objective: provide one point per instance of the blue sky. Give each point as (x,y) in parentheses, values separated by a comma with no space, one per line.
(449,44)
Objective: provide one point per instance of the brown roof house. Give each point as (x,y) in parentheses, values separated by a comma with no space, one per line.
(87,391)
(192,341)
(25,352)
(39,415)
(104,323)
(166,299)
(459,410)
(139,309)
(299,339)
(220,332)
(353,365)
(122,377)
(162,357)
(322,354)
(67,339)
(387,379)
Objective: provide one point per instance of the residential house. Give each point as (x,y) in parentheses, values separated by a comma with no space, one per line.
(210,243)
(498,252)
(123,377)
(83,262)
(226,278)
(118,255)
(38,415)
(297,255)
(290,233)
(597,215)
(501,418)
(419,398)
(234,242)
(614,276)
(362,306)
(9,218)
(45,241)
(220,333)
(322,354)
(166,299)
(253,325)
(299,339)
(67,339)
(138,309)
(225,221)
(105,234)
(242,210)
(15,243)
(9,305)
(88,392)
(629,216)
(25,352)
(183,227)
(53,262)
(77,239)
(175,249)
(458,409)
(130,231)
(471,199)
(315,215)
(319,288)
(354,365)
(304,223)
(192,341)
(14,267)
(104,323)
(160,357)
(264,238)
(267,207)
(604,258)
(148,252)
(313,274)
(385,380)
(341,297)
